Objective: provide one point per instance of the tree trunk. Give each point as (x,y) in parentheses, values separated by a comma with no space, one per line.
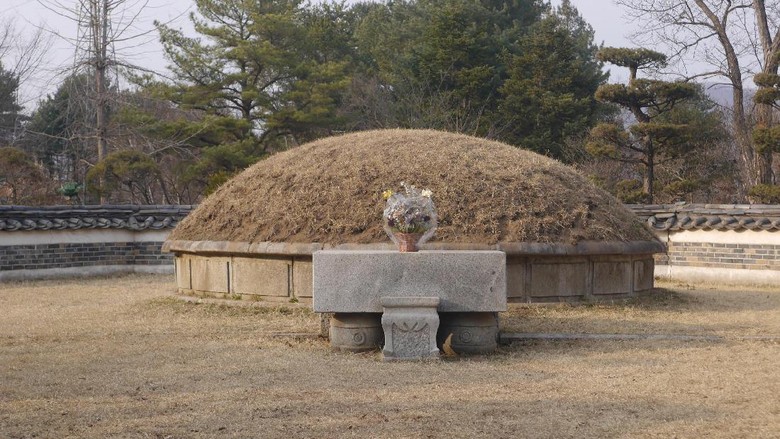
(744,139)
(649,177)
(100,48)
(770,49)
(742,131)
(763,160)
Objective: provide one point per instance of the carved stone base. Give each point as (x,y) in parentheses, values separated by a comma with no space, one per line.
(356,332)
(410,325)
(472,332)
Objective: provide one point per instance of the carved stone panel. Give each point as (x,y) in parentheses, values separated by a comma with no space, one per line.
(410,325)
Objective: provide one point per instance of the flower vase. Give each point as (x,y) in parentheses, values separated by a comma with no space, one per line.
(407,242)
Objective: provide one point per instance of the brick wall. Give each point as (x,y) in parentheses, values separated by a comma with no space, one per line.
(66,255)
(718,255)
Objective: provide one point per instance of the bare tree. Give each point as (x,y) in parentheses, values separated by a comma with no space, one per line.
(22,53)
(735,39)
(102,25)
(21,56)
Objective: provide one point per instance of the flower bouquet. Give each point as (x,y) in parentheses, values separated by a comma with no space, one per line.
(409,217)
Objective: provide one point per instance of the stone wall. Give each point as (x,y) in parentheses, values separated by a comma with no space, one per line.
(37,242)
(716,243)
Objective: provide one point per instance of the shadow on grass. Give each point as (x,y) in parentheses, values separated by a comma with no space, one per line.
(565,350)
(684,298)
(658,299)
(176,305)
(719,298)
(662,311)
(662,299)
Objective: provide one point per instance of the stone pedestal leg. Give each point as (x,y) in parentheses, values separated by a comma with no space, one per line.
(356,332)
(410,325)
(472,332)
(325,324)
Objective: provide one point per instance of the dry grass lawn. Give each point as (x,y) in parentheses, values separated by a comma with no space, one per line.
(121,357)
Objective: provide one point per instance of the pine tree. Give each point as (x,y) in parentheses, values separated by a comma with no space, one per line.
(649,139)
(548,96)
(256,78)
(129,171)
(520,72)
(766,134)
(442,62)
(21,179)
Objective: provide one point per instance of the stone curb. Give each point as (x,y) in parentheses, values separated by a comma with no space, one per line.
(510,248)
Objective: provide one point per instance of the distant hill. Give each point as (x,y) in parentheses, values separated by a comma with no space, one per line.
(721,94)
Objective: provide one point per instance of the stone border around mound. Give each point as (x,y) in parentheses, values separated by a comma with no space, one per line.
(591,271)
(510,248)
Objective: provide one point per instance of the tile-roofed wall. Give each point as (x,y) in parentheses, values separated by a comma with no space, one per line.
(78,240)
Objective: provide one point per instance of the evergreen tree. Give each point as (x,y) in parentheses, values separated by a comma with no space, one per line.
(258,79)
(310,102)
(129,171)
(766,134)
(690,174)
(649,139)
(514,71)
(59,134)
(442,62)
(265,75)
(10,111)
(548,96)
(21,180)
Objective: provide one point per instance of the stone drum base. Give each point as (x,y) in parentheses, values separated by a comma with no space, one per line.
(356,332)
(469,332)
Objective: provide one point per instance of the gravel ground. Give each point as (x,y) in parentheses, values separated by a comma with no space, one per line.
(123,357)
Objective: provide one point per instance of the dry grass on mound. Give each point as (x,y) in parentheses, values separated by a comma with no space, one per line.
(329,191)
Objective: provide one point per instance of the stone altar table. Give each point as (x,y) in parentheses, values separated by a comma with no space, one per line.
(470,287)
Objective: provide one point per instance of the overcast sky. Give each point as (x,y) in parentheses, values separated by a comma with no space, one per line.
(606,18)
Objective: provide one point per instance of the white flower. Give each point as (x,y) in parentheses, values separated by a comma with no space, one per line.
(426,193)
